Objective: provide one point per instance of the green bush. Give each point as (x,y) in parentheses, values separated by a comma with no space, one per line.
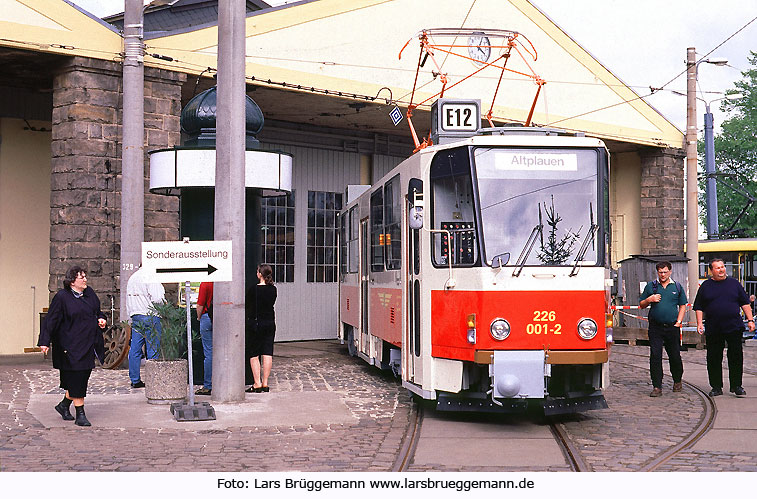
(172,343)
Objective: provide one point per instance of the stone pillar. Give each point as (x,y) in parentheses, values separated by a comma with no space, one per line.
(662,214)
(86,166)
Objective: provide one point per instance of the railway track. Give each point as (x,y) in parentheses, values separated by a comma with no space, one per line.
(410,441)
(705,423)
(572,455)
(415,441)
(575,460)
(404,459)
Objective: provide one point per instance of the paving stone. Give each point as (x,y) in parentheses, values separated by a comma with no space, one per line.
(625,437)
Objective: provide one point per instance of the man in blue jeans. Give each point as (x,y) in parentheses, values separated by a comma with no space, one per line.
(145,327)
(668,302)
(205,314)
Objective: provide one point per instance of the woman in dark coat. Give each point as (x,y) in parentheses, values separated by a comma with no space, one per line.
(260,326)
(73,327)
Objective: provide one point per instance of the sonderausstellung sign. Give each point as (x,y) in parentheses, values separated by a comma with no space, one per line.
(180,261)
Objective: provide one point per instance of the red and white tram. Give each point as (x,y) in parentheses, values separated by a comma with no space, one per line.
(478,268)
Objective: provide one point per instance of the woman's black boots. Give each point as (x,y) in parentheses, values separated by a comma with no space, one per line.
(64,409)
(81,418)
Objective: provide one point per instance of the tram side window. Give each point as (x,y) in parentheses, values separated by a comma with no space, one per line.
(704,265)
(453,209)
(342,242)
(377,231)
(392,227)
(352,245)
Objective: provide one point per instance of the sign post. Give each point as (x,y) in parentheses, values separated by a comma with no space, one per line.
(177,261)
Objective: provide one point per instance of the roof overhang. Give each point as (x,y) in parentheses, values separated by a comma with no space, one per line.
(57,27)
(348,50)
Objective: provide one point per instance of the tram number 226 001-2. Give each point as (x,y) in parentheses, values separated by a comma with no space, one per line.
(544,323)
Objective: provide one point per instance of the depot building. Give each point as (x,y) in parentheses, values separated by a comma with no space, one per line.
(326,78)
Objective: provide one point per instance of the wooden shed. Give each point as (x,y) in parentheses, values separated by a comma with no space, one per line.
(633,275)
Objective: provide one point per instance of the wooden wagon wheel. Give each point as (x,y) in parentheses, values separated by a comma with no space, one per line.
(117,338)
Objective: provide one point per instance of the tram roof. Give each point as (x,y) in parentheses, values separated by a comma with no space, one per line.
(718,245)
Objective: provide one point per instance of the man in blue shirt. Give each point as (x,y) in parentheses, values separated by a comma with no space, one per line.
(718,306)
(668,304)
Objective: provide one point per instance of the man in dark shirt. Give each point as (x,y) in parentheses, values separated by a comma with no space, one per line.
(719,300)
(668,304)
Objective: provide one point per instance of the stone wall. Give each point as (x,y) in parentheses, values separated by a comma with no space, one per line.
(662,213)
(85,200)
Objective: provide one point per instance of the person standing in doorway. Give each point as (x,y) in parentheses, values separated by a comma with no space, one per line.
(145,326)
(261,328)
(74,326)
(205,315)
(668,305)
(718,306)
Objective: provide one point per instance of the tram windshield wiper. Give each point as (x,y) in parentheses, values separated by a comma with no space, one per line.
(584,246)
(521,261)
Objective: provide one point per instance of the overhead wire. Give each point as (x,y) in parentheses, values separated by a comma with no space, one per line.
(182,64)
(193,67)
(711,51)
(655,89)
(46,46)
(465,20)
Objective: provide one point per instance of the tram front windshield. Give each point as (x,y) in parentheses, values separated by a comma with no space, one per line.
(538,204)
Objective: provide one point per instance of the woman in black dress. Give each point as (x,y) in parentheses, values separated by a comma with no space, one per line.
(73,327)
(261,328)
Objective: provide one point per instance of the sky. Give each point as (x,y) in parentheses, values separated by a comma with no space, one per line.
(643,42)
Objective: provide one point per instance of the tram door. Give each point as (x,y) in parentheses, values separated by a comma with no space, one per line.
(412,337)
(364,282)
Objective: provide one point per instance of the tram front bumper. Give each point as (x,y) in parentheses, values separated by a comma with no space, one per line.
(554,356)
(517,374)
(549,406)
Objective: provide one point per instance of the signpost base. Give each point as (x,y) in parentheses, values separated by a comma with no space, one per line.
(201,411)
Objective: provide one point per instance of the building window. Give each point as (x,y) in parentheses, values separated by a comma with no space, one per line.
(277,217)
(322,239)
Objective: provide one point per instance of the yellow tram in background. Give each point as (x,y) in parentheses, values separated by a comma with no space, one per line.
(740,258)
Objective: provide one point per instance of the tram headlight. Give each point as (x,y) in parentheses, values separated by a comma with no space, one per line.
(587,329)
(500,329)
(470,321)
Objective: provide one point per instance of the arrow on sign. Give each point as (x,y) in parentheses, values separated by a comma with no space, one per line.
(210,269)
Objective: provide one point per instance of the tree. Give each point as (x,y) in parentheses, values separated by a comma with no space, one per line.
(557,251)
(736,155)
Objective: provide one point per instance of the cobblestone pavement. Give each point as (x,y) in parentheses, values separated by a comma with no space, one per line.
(636,428)
(632,432)
(691,460)
(379,404)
